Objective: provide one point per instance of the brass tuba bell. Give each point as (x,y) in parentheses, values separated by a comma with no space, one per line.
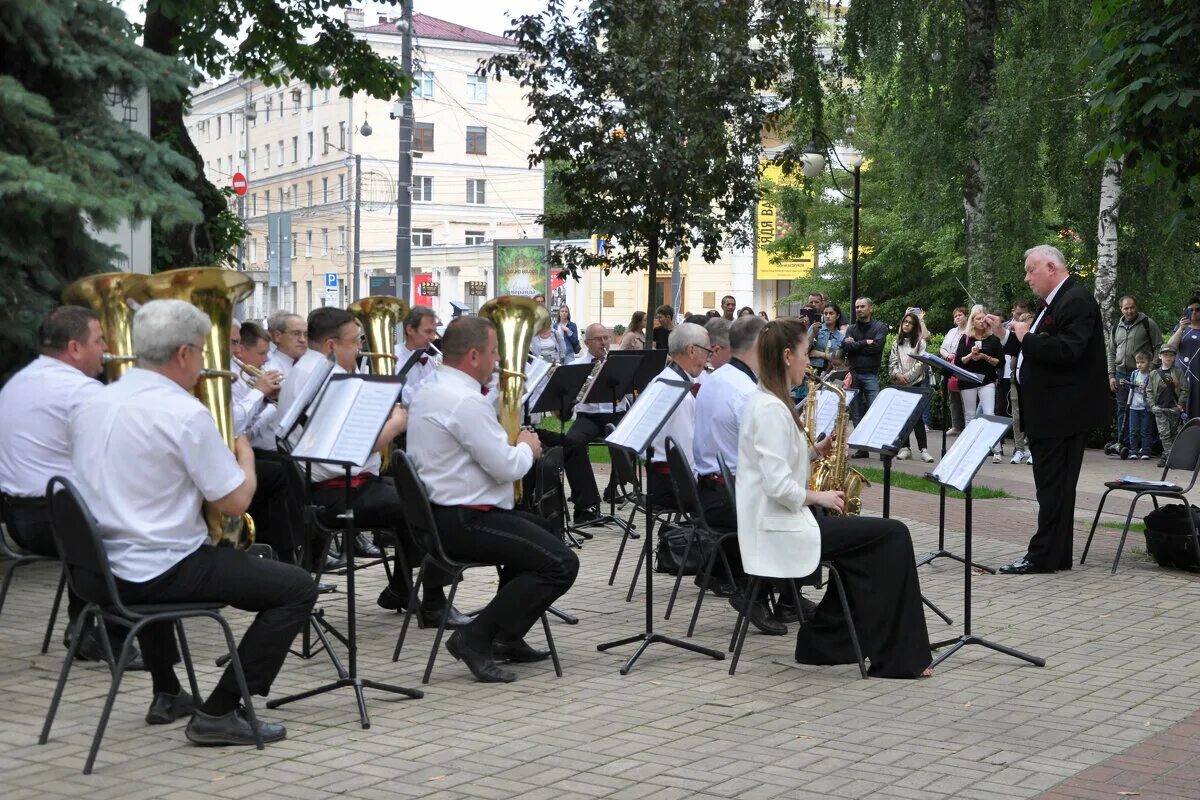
(379,316)
(108,295)
(517,321)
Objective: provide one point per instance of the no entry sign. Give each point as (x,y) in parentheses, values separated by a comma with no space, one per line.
(239,184)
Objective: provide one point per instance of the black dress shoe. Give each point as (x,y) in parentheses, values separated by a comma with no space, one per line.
(1022,566)
(334,562)
(392,601)
(365,548)
(586,514)
(92,649)
(231,729)
(166,708)
(481,664)
(760,616)
(518,651)
(432,617)
(719,588)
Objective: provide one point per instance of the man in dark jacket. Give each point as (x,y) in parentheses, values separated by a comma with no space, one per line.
(863,347)
(1062,381)
(1133,333)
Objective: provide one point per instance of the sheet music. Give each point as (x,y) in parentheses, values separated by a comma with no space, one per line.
(537,376)
(648,414)
(345,424)
(305,398)
(885,420)
(974,444)
(827,406)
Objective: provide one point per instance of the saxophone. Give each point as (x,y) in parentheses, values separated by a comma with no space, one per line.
(833,472)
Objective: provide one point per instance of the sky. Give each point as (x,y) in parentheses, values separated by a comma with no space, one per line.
(491,16)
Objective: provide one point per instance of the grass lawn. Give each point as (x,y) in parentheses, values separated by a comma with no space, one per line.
(904,480)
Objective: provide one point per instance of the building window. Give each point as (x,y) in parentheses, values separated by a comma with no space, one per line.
(218,126)
(254,116)
(341,240)
(281,152)
(309,203)
(253,159)
(422,189)
(267,108)
(267,200)
(281,105)
(326,94)
(281,198)
(324,241)
(423,136)
(219,172)
(342,135)
(266,157)
(325,140)
(297,94)
(341,187)
(476,88)
(310,145)
(422,84)
(254,205)
(294,245)
(422,237)
(476,194)
(295,149)
(295,195)
(476,237)
(308,244)
(476,140)
(253,254)
(324,190)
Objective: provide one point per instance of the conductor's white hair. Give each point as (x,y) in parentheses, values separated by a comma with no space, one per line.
(161,327)
(1049,252)
(685,335)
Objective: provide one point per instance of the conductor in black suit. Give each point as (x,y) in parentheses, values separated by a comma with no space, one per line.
(1063,387)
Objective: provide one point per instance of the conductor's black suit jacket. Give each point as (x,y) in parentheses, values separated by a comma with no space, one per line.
(1063,380)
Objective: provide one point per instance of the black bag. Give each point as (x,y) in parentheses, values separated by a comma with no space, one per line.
(1169,537)
(671,544)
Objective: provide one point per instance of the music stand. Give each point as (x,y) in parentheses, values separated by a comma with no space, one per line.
(652,363)
(956,470)
(342,429)
(884,429)
(635,433)
(942,370)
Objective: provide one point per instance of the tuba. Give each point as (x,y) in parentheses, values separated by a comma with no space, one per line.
(379,317)
(215,292)
(108,295)
(833,472)
(517,321)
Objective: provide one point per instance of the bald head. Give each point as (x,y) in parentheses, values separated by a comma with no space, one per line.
(597,339)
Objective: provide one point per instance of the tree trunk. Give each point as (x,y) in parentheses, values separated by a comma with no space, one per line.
(182,245)
(1106,236)
(652,252)
(980,18)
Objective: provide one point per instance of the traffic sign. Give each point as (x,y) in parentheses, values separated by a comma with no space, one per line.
(331,280)
(240,185)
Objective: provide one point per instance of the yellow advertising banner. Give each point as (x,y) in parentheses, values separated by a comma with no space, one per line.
(769,226)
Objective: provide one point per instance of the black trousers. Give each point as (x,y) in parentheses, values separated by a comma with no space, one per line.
(875,560)
(1056,465)
(536,567)
(377,504)
(660,491)
(282,594)
(271,524)
(31,530)
(588,428)
(577,466)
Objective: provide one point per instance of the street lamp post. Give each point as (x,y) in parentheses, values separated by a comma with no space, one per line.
(813,162)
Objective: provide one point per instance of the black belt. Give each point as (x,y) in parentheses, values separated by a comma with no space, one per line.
(35,503)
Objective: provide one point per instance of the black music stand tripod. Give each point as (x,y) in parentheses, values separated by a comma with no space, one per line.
(637,440)
(966,472)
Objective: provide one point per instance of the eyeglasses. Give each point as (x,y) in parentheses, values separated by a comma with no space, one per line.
(705,349)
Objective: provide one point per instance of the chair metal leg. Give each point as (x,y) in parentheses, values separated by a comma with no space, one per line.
(185,652)
(704,583)
(437,640)
(621,550)
(743,623)
(6,581)
(408,612)
(637,571)
(62,582)
(1125,530)
(118,671)
(240,676)
(550,645)
(836,579)
(1095,522)
(76,629)
(687,549)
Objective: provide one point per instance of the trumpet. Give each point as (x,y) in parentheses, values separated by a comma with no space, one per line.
(249,373)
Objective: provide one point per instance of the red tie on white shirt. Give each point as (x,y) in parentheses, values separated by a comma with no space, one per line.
(483,390)
(424,360)
(695,389)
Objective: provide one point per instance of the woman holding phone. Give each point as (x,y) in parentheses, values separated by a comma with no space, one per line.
(979,351)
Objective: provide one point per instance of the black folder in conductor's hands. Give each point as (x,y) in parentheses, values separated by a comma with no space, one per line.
(651,362)
(613,381)
(561,389)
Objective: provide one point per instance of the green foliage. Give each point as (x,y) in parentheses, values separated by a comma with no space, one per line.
(1145,57)
(65,159)
(651,111)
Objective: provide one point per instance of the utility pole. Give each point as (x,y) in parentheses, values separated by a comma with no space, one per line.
(355,291)
(404,184)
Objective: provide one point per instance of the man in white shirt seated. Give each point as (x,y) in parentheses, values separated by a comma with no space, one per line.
(718,337)
(589,425)
(420,329)
(687,351)
(147,456)
(374,498)
(290,337)
(258,402)
(463,458)
(35,406)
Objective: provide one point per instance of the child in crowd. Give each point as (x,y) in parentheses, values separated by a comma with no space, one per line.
(1168,395)
(1140,417)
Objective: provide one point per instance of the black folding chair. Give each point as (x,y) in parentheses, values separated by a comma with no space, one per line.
(81,549)
(687,492)
(1185,454)
(17,556)
(627,474)
(419,517)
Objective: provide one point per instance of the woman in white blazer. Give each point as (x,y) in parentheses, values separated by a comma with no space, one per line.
(780,537)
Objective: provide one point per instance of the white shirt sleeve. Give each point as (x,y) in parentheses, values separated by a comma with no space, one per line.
(480,434)
(210,463)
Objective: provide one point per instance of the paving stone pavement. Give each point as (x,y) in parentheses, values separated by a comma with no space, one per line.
(1116,703)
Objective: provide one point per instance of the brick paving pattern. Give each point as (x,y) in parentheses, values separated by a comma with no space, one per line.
(1114,710)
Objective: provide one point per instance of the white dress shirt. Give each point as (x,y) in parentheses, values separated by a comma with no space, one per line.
(417,375)
(280,362)
(458,447)
(720,404)
(680,426)
(1033,328)
(35,406)
(599,408)
(146,455)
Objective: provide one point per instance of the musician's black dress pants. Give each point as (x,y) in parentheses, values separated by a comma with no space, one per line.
(31,531)
(282,594)
(1056,465)
(588,428)
(270,519)
(536,567)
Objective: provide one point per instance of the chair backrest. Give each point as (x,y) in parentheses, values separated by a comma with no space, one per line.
(1185,452)
(418,514)
(687,492)
(79,544)
(301,515)
(728,476)
(623,466)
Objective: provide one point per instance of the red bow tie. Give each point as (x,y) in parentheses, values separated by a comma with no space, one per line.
(695,389)
(1041,305)
(424,360)
(483,390)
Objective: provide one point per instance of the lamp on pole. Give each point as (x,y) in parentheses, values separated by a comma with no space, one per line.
(813,162)
(365,130)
